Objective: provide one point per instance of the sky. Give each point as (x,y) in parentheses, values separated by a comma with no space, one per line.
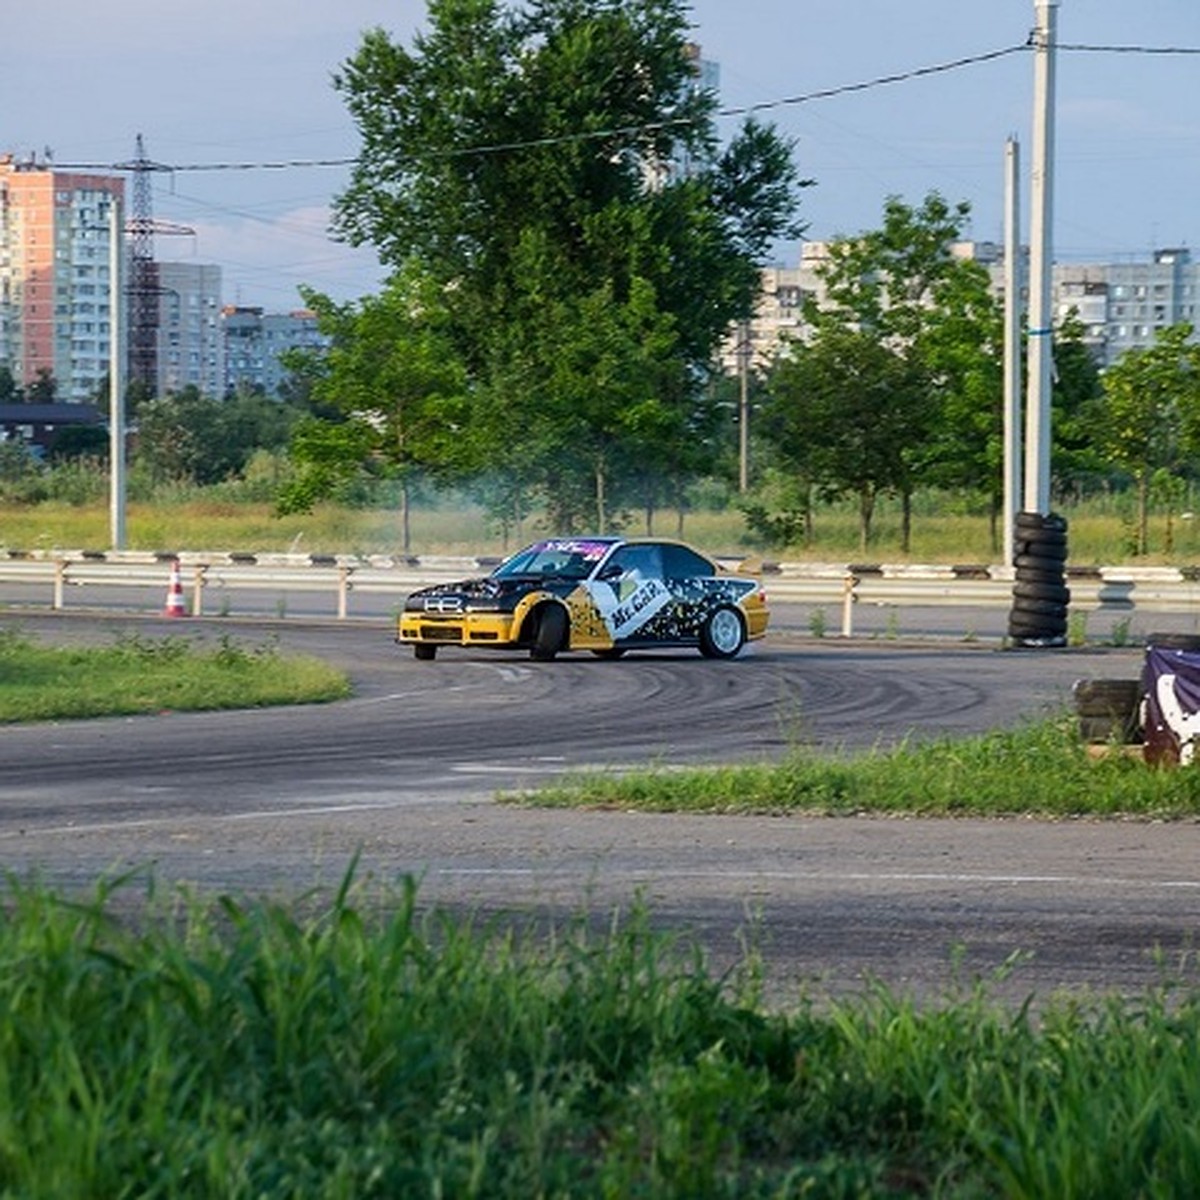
(249,81)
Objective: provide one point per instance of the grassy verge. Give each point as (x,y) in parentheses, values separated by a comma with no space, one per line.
(1041,770)
(195,520)
(232,1050)
(139,675)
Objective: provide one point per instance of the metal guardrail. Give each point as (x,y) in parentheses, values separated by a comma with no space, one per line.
(841,585)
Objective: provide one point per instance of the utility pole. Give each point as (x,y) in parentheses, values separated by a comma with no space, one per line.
(116,375)
(743,349)
(1012,342)
(1041,320)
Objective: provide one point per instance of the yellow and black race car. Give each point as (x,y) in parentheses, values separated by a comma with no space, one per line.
(603,594)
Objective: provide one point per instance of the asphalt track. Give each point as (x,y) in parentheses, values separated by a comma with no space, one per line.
(403,776)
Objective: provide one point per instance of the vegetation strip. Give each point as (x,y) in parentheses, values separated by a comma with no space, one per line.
(1039,769)
(370,1049)
(143,675)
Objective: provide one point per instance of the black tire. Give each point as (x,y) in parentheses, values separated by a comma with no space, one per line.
(1038,641)
(423,652)
(1039,608)
(1044,634)
(1022,624)
(1174,641)
(1107,697)
(551,634)
(1053,578)
(1035,522)
(1053,541)
(723,633)
(610,652)
(1038,562)
(1056,593)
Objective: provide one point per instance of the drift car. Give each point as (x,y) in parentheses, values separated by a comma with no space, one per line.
(603,594)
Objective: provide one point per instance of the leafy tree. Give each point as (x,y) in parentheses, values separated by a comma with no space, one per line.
(195,439)
(1150,414)
(843,405)
(530,158)
(1075,392)
(74,442)
(395,388)
(44,389)
(899,368)
(10,392)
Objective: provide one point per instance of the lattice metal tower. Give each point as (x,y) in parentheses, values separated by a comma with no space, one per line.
(144,289)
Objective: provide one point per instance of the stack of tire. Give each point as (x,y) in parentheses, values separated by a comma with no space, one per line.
(1038,616)
(1109,710)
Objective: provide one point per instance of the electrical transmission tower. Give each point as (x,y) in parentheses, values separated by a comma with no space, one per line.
(144,289)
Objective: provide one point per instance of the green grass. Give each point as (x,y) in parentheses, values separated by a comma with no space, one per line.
(196,519)
(1038,769)
(140,675)
(367,1049)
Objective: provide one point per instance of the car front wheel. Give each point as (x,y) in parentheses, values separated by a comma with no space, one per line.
(723,633)
(551,634)
(424,653)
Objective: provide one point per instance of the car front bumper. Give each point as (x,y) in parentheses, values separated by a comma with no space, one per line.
(457,629)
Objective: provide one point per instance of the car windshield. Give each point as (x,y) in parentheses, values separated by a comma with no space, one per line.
(561,558)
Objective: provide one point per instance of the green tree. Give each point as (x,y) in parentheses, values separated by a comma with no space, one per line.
(44,389)
(1075,393)
(10,392)
(1149,418)
(532,159)
(395,392)
(899,367)
(192,438)
(841,408)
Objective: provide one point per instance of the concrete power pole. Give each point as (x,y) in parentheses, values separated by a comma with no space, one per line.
(1041,319)
(1012,342)
(116,375)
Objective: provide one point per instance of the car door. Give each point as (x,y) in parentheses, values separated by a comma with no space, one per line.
(629,592)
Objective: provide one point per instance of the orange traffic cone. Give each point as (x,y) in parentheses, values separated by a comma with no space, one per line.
(175,607)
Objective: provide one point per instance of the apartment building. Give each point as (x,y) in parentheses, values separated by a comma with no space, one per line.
(190,344)
(1125,305)
(255,342)
(54,275)
(1122,305)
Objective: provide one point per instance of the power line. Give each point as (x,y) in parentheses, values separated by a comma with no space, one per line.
(1085,49)
(879,81)
(658,126)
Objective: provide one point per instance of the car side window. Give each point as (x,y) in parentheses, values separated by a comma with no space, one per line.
(681,563)
(644,562)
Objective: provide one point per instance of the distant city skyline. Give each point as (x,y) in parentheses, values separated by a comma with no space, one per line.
(233,83)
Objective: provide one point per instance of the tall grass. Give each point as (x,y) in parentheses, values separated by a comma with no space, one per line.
(184,517)
(138,675)
(1040,769)
(362,1047)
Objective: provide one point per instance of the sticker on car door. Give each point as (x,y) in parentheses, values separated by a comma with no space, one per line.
(628,604)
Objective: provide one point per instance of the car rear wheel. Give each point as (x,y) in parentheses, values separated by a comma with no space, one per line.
(424,653)
(551,635)
(723,633)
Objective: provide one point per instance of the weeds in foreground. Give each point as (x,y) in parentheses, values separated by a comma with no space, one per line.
(372,1049)
(1040,769)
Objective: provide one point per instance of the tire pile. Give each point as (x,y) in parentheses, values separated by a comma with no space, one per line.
(1109,710)
(1038,616)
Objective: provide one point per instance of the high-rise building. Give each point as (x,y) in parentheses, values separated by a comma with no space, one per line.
(256,340)
(190,344)
(54,275)
(1121,305)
